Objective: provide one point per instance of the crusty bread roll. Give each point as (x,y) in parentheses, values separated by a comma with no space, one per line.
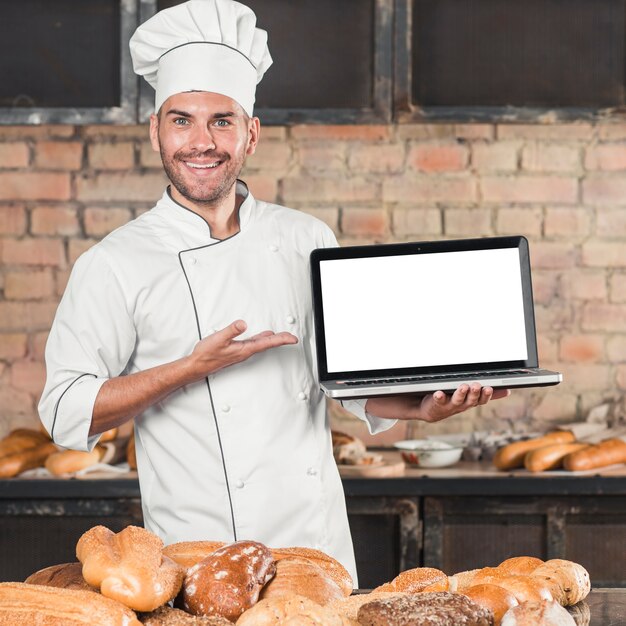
(298,576)
(568,581)
(524,588)
(22,604)
(519,565)
(290,610)
(461,580)
(64,576)
(189,553)
(30,458)
(512,455)
(21,439)
(228,582)
(607,452)
(497,599)
(70,461)
(349,607)
(550,457)
(166,616)
(129,567)
(417,580)
(543,613)
(330,565)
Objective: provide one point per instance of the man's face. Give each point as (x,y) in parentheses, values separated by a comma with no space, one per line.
(203,139)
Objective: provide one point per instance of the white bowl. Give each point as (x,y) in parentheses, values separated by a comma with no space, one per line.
(429,453)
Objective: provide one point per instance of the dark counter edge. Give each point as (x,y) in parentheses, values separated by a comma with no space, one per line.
(506,485)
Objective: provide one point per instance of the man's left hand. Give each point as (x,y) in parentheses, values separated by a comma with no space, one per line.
(435,406)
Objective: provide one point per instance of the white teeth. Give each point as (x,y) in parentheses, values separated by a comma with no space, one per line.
(203,167)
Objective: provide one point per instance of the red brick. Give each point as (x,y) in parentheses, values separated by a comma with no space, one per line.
(546,348)
(438,158)
(606,156)
(12,345)
(16,404)
(28,376)
(425,131)
(558,315)
(339,133)
(604,253)
(583,284)
(529,189)
(545,132)
(567,222)
(545,285)
(550,157)
(556,406)
(582,348)
(14,154)
(370,222)
(54,220)
(467,222)
(604,317)
(551,255)
(62,276)
(378,159)
(515,407)
(111,133)
(28,285)
(27,316)
(100,221)
(585,376)
(34,186)
(33,251)
(273,133)
(322,157)
(604,190)
(12,219)
(611,223)
(125,187)
(270,155)
(38,346)
(112,156)
(516,221)
(31,131)
(59,155)
(474,131)
(617,285)
(263,187)
(148,157)
(616,349)
(421,189)
(77,246)
(418,222)
(620,377)
(309,189)
(495,157)
(329,216)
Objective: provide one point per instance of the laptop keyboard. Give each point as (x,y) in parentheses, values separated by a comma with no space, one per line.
(420,379)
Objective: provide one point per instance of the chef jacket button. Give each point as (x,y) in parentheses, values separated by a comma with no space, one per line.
(239,484)
(274,248)
(291,319)
(302,396)
(311,471)
(226,408)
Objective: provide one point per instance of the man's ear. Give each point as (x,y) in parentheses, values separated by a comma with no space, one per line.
(154,132)
(254,131)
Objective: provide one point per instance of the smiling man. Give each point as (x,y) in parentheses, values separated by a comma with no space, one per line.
(195,318)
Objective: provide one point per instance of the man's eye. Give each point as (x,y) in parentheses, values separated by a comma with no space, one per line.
(181,121)
(222,123)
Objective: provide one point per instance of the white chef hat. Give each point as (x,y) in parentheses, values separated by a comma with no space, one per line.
(202,45)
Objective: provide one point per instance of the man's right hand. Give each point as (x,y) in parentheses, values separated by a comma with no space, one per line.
(222,348)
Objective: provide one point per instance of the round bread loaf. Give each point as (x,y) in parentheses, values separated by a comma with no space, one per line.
(524,588)
(166,616)
(429,608)
(417,580)
(519,565)
(568,582)
(304,578)
(228,581)
(64,576)
(497,599)
(543,613)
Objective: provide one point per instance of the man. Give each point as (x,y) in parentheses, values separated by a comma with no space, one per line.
(195,318)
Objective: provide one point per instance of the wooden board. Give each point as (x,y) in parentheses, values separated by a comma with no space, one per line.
(383,470)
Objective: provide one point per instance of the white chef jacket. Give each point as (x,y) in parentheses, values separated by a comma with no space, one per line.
(245,453)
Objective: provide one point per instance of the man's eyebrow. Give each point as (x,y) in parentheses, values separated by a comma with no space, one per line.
(178,112)
(225,114)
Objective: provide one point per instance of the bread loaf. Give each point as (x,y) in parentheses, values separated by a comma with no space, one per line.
(461,580)
(166,616)
(70,461)
(349,607)
(497,599)
(129,567)
(524,588)
(21,439)
(64,576)
(543,613)
(189,553)
(607,452)
(30,458)
(22,604)
(298,576)
(417,580)
(550,457)
(512,455)
(228,582)
(519,565)
(568,581)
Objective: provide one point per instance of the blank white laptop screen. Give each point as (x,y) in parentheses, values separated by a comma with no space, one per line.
(423,310)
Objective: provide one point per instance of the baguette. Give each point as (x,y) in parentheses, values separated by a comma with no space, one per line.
(70,461)
(607,452)
(14,464)
(512,455)
(550,457)
(20,440)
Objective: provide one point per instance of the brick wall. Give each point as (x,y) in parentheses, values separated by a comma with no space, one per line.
(62,188)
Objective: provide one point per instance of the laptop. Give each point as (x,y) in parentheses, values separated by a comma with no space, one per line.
(425,316)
